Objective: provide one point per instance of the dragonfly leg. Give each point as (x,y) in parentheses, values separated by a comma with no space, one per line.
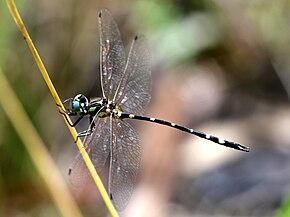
(64,109)
(69,113)
(83,134)
(76,122)
(67,120)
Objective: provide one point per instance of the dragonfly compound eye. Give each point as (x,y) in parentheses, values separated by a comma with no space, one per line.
(80,104)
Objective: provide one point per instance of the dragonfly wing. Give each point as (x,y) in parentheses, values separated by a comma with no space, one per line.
(125,163)
(112,54)
(97,147)
(133,93)
(78,172)
(99,142)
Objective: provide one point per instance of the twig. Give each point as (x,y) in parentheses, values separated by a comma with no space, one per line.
(73,131)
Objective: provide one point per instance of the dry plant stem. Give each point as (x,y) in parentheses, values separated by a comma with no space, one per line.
(37,151)
(45,75)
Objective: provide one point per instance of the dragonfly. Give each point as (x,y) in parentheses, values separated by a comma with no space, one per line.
(126,86)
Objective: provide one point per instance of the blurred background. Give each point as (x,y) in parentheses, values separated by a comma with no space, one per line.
(221,67)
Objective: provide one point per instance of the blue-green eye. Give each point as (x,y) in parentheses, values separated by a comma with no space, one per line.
(76,106)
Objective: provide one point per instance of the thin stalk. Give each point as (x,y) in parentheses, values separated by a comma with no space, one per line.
(37,150)
(96,178)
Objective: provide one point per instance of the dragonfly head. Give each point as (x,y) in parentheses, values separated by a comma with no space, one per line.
(80,104)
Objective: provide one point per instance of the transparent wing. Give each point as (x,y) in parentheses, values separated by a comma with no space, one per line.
(97,146)
(99,142)
(112,54)
(78,172)
(133,93)
(125,162)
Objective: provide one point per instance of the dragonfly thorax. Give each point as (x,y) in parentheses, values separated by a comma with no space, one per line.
(109,108)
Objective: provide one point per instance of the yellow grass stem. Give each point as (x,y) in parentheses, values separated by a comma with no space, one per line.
(37,150)
(96,178)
